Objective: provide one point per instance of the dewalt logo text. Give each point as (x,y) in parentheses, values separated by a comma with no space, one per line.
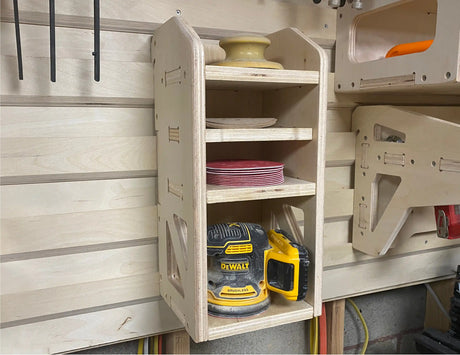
(234,266)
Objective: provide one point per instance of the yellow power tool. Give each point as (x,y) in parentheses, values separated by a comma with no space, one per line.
(244,263)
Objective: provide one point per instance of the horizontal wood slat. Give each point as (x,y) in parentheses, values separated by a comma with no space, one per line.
(70,197)
(47,158)
(75,122)
(39,305)
(121,83)
(339,177)
(76,43)
(41,273)
(339,119)
(338,204)
(381,274)
(340,148)
(83,330)
(72,230)
(145,16)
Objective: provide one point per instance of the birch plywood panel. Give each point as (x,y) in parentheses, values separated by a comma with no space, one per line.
(75,43)
(33,274)
(384,274)
(69,197)
(80,331)
(121,83)
(340,149)
(38,305)
(34,234)
(48,159)
(61,122)
(209,16)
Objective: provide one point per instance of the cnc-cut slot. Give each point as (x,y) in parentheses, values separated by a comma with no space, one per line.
(173,77)
(176,190)
(387,134)
(174,275)
(174,134)
(181,229)
(382,191)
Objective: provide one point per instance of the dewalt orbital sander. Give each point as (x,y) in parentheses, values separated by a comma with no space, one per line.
(244,263)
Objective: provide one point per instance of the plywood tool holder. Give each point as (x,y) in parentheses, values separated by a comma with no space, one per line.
(404,159)
(365,36)
(186,92)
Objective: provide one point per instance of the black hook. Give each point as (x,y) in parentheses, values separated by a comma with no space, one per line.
(18,38)
(52,42)
(97,42)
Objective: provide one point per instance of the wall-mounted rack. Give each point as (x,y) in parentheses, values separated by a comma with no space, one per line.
(186,92)
(365,36)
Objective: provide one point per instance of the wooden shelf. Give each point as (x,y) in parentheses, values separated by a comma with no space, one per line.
(186,91)
(258,134)
(291,187)
(218,77)
(281,311)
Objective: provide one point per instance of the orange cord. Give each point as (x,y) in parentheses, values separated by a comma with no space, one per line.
(408,48)
(160,344)
(323,331)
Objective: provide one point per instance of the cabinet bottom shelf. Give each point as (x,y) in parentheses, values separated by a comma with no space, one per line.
(281,311)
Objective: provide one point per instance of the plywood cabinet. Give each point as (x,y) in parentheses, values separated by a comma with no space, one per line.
(186,92)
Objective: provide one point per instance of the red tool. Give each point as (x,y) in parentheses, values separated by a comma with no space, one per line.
(448,221)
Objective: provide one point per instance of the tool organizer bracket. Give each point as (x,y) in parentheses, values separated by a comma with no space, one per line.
(404,159)
(365,36)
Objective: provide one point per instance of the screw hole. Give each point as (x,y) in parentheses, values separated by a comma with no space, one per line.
(448,74)
(379,157)
(339,86)
(178,12)
(362,234)
(423,77)
(340,16)
(362,198)
(364,173)
(365,138)
(433,163)
(352,84)
(412,161)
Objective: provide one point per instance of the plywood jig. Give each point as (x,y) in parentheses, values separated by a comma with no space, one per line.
(404,159)
(297,98)
(365,36)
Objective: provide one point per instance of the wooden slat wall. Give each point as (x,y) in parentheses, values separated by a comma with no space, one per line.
(78,194)
(78,166)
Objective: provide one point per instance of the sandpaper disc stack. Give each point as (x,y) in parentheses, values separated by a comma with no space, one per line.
(244,173)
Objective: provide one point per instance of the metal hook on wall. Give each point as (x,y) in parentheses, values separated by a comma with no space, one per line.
(97,41)
(18,38)
(52,42)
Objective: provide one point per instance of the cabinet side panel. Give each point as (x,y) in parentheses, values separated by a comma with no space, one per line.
(179,119)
